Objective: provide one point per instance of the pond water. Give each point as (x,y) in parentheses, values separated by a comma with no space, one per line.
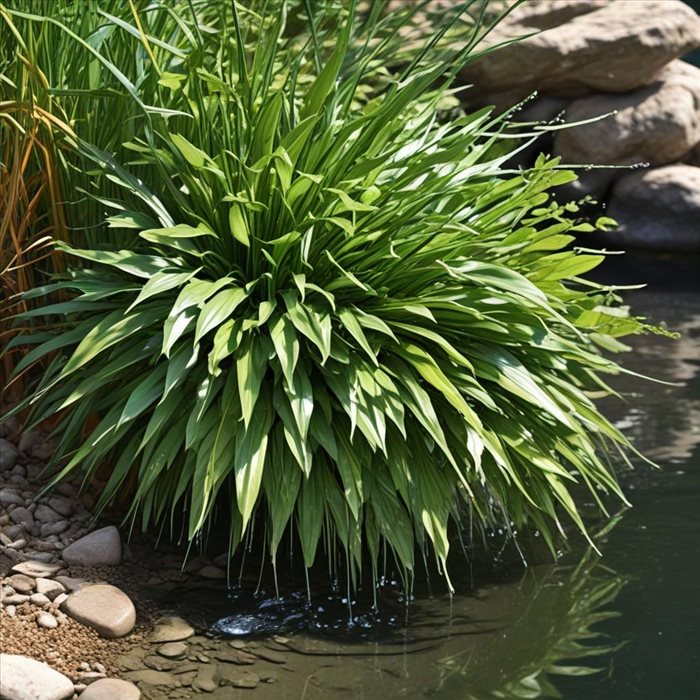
(621,627)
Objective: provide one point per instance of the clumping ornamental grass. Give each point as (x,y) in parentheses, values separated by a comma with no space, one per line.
(339,318)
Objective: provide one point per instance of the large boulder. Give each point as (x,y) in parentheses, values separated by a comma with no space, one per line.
(658,124)
(22,678)
(616,48)
(658,209)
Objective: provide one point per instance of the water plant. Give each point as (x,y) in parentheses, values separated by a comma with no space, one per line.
(326,306)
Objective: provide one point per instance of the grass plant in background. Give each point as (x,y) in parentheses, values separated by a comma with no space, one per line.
(320,305)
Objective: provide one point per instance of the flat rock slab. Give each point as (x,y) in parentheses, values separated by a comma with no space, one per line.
(36,569)
(111,689)
(171,629)
(151,677)
(102,547)
(22,678)
(173,650)
(104,608)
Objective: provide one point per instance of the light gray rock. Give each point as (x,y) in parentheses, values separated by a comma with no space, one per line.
(9,455)
(658,209)
(89,677)
(171,629)
(15,599)
(102,547)
(10,496)
(71,584)
(619,47)
(45,557)
(46,620)
(45,514)
(14,531)
(22,516)
(36,569)
(49,588)
(103,607)
(546,14)
(18,544)
(22,678)
(60,599)
(111,689)
(658,124)
(39,599)
(64,506)
(206,679)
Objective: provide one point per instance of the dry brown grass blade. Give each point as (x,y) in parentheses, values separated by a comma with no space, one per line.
(31,205)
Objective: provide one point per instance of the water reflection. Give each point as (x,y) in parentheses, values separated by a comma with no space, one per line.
(508,640)
(555,636)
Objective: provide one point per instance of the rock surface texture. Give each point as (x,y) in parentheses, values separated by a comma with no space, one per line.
(618,47)
(658,124)
(102,547)
(22,678)
(104,608)
(607,57)
(111,689)
(658,209)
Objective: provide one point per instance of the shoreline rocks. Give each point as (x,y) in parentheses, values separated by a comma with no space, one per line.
(617,58)
(616,47)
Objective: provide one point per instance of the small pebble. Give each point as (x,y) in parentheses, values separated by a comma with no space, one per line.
(173,649)
(39,599)
(21,583)
(46,620)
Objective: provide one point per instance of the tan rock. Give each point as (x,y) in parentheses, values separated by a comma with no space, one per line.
(658,124)
(619,47)
(171,629)
(104,608)
(111,689)
(20,582)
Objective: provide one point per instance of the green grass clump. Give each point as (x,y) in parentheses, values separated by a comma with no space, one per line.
(333,315)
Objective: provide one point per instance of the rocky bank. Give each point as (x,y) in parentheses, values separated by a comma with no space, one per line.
(79,610)
(619,60)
